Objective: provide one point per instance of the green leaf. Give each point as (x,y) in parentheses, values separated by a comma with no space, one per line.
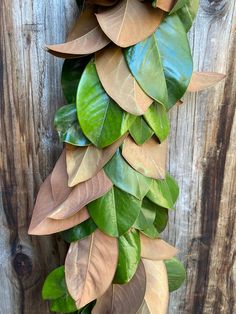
(68,128)
(79,232)
(164,192)
(129,256)
(176,273)
(161,218)
(151,232)
(64,304)
(179,4)
(156,116)
(188,13)
(101,119)
(54,286)
(140,131)
(71,73)
(87,309)
(126,178)
(162,74)
(146,216)
(115,212)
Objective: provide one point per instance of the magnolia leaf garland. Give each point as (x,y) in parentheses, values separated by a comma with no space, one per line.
(109,195)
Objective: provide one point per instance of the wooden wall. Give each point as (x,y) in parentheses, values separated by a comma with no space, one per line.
(202,157)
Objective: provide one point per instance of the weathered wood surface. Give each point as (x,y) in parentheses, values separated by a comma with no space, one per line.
(202,157)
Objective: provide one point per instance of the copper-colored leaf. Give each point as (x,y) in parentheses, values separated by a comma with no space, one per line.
(85,162)
(204,80)
(82,194)
(149,158)
(86,37)
(157,291)
(105,3)
(129,22)
(119,83)
(165,5)
(44,207)
(125,299)
(90,267)
(156,249)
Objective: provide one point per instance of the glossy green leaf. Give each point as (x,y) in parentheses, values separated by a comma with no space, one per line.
(126,178)
(146,216)
(162,74)
(188,13)
(164,192)
(101,119)
(54,286)
(140,131)
(115,212)
(151,232)
(87,309)
(156,116)
(178,5)
(161,218)
(176,273)
(129,256)
(64,304)
(71,73)
(79,232)
(68,128)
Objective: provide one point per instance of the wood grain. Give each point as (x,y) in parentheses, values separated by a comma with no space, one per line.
(201,157)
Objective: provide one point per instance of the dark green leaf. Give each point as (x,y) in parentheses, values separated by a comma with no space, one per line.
(161,218)
(151,232)
(126,178)
(87,309)
(176,273)
(79,232)
(115,212)
(188,13)
(140,131)
(146,216)
(54,286)
(156,116)
(71,73)
(64,304)
(129,256)
(101,119)
(67,126)
(164,192)
(156,68)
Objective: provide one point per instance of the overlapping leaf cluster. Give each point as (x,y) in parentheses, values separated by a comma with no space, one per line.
(127,63)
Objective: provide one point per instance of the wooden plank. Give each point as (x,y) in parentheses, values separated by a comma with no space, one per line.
(202,158)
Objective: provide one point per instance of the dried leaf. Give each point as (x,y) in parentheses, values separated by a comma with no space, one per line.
(129,22)
(90,267)
(157,292)
(149,159)
(165,5)
(82,194)
(85,162)
(125,299)
(44,207)
(105,3)
(86,37)
(204,80)
(156,249)
(119,83)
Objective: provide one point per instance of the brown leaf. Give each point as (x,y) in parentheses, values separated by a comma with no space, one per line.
(86,37)
(85,162)
(44,207)
(125,299)
(82,194)
(204,80)
(165,5)
(157,291)
(90,267)
(129,22)
(156,249)
(105,3)
(149,158)
(119,83)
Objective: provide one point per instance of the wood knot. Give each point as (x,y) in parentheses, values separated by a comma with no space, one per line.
(215,8)
(22,265)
